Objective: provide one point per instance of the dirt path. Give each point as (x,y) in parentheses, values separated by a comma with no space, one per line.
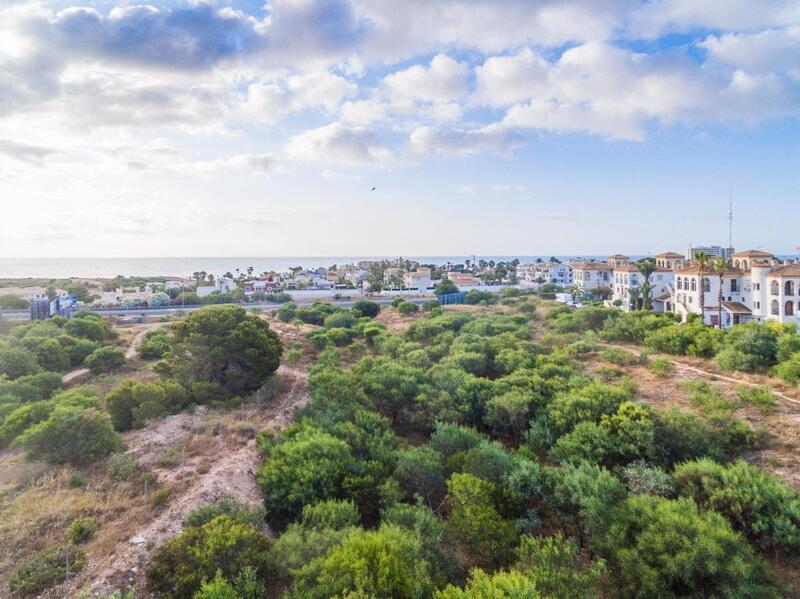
(683,366)
(212,467)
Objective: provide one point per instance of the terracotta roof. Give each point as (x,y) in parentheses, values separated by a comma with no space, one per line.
(695,269)
(736,308)
(592,266)
(753,254)
(787,270)
(663,297)
(670,255)
(620,256)
(627,268)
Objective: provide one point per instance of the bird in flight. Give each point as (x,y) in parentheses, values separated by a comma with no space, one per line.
(373,189)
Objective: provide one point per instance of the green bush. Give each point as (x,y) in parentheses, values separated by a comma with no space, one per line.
(154,345)
(17,362)
(749,347)
(71,435)
(293,356)
(180,566)
(122,467)
(667,548)
(105,359)
(227,506)
(755,502)
(366,308)
(37,573)
(759,397)
(89,326)
(620,357)
(133,403)
(407,308)
(789,370)
(661,367)
(82,529)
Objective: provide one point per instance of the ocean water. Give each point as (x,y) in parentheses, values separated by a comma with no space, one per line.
(61,268)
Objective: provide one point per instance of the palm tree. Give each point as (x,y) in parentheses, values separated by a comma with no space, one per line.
(636,297)
(720,265)
(646,268)
(702,260)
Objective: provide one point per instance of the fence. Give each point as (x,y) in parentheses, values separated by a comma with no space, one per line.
(267,391)
(452,298)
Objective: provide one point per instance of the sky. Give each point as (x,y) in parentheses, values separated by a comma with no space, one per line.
(514,127)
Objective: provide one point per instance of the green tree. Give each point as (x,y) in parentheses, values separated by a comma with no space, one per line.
(89,326)
(366,308)
(702,261)
(475,522)
(445,287)
(720,266)
(646,269)
(71,435)
(105,359)
(755,502)
(180,566)
(17,362)
(309,466)
(556,567)
(387,562)
(667,548)
(224,346)
(501,585)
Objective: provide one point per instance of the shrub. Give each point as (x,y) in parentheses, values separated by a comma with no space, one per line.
(366,308)
(407,308)
(620,357)
(227,506)
(661,367)
(75,480)
(749,347)
(340,320)
(71,435)
(122,467)
(789,370)
(755,502)
(667,548)
(158,300)
(180,566)
(759,397)
(387,562)
(40,571)
(16,362)
(445,287)
(431,305)
(160,497)
(82,529)
(89,326)
(154,345)
(641,478)
(105,359)
(293,356)
(133,403)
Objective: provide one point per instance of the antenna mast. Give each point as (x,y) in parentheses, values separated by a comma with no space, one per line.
(730,220)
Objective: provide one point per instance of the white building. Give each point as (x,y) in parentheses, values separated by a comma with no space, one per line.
(221,285)
(589,276)
(670,260)
(714,251)
(627,278)
(418,279)
(543,273)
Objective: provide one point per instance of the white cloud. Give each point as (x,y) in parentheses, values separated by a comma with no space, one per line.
(774,50)
(330,175)
(338,143)
(24,152)
(492,138)
(444,80)
(268,101)
(504,80)
(507,188)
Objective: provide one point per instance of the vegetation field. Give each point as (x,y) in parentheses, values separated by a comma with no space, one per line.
(505,448)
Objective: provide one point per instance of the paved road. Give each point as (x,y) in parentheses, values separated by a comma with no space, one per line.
(25,315)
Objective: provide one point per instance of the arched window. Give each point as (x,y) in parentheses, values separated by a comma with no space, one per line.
(788,309)
(788,288)
(706,285)
(775,308)
(774,288)
(744,264)
(694,284)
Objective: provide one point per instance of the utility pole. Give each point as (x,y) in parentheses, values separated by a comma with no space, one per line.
(730,219)
(66,577)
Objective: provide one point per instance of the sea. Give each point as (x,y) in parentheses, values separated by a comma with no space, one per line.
(106,268)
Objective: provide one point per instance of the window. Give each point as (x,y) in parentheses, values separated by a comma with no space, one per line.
(788,288)
(734,285)
(788,309)
(694,284)
(679,283)
(706,285)
(775,308)
(757,286)
(774,288)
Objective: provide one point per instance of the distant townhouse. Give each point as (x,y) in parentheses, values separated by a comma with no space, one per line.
(628,281)
(590,276)
(463,279)
(418,279)
(221,285)
(670,260)
(261,286)
(555,273)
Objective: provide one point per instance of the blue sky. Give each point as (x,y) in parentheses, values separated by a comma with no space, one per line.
(522,127)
